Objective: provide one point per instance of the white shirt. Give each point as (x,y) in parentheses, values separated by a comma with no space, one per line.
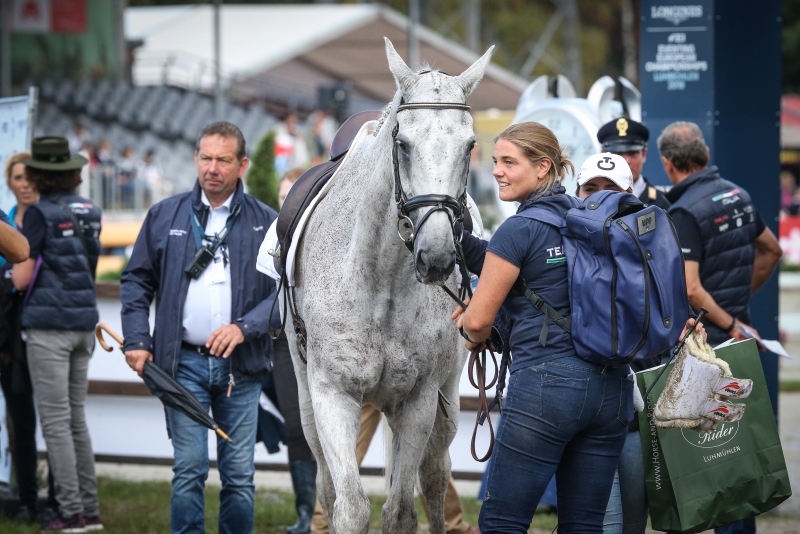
(638,187)
(208,302)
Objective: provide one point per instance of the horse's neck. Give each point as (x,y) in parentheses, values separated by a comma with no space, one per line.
(376,243)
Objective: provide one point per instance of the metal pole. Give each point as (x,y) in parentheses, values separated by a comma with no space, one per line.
(217,68)
(629,45)
(121,72)
(572,44)
(5,48)
(473,24)
(413,39)
(33,110)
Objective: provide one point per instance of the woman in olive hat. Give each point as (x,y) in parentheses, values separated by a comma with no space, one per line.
(59,316)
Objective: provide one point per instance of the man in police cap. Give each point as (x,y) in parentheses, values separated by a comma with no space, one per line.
(628,138)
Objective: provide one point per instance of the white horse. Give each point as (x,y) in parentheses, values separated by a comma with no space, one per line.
(374,333)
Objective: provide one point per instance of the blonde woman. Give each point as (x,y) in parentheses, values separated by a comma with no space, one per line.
(562,415)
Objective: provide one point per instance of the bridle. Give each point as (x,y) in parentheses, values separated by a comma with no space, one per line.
(446,203)
(405,205)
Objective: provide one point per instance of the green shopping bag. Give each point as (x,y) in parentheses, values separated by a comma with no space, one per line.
(698,481)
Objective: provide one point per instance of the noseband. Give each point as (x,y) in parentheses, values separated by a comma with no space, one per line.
(405,205)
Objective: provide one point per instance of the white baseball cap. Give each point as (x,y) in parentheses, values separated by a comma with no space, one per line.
(606,165)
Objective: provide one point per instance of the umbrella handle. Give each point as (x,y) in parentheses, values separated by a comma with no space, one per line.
(222,434)
(98,331)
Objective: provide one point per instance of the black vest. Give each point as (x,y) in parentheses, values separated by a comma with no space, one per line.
(63,296)
(727,220)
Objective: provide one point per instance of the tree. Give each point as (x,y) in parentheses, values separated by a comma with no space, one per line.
(262,181)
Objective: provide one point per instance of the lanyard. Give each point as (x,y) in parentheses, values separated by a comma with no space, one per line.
(199,231)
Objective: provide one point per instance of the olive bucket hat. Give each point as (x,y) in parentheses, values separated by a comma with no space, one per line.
(52,154)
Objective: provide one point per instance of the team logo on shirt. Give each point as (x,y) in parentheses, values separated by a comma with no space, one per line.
(555,255)
(79,207)
(727,198)
(64,229)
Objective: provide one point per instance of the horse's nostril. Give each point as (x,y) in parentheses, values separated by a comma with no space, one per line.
(434,266)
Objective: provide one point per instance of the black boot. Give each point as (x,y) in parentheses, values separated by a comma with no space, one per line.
(304,475)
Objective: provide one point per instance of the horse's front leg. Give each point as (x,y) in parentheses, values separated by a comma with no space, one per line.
(326,493)
(411,424)
(434,471)
(337,416)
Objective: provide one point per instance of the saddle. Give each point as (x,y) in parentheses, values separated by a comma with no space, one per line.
(306,188)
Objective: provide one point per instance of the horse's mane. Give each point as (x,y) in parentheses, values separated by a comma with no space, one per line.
(388,116)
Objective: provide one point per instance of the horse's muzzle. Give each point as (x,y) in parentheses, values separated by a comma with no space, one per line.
(434,267)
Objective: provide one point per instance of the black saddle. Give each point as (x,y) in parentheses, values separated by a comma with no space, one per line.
(306,188)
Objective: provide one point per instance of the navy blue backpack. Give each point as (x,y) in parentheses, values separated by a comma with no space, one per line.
(627,287)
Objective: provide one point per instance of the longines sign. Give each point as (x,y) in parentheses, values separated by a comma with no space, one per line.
(676,14)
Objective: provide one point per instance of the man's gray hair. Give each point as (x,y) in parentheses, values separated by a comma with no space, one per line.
(227,130)
(684,145)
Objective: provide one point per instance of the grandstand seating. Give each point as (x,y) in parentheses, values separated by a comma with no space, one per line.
(164,119)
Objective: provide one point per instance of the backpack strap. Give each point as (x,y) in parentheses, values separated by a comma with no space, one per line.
(521,286)
(549,311)
(538,214)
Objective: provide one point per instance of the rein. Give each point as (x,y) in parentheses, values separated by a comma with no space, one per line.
(477,377)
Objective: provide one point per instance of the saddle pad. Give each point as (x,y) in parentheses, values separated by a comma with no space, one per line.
(269,253)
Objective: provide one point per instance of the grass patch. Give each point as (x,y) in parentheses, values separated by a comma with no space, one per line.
(143,508)
(789,386)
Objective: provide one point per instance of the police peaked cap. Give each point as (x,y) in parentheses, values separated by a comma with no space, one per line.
(623,135)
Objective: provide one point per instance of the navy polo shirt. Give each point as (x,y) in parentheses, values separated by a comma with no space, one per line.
(536,248)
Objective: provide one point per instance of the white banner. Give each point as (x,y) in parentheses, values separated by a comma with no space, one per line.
(14,117)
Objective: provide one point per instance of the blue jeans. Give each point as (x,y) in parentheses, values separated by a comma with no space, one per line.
(627,508)
(207,378)
(745,526)
(567,417)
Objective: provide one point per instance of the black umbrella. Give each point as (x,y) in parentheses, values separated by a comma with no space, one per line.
(166,388)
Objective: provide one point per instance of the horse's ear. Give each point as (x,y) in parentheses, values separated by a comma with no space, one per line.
(469,78)
(402,74)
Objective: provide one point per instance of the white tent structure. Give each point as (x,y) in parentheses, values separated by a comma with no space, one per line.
(287,51)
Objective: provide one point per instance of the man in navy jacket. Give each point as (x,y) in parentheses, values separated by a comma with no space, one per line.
(211,323)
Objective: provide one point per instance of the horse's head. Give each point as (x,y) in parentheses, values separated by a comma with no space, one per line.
(433,138)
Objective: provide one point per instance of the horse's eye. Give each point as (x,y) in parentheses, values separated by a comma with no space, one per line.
(401,145)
